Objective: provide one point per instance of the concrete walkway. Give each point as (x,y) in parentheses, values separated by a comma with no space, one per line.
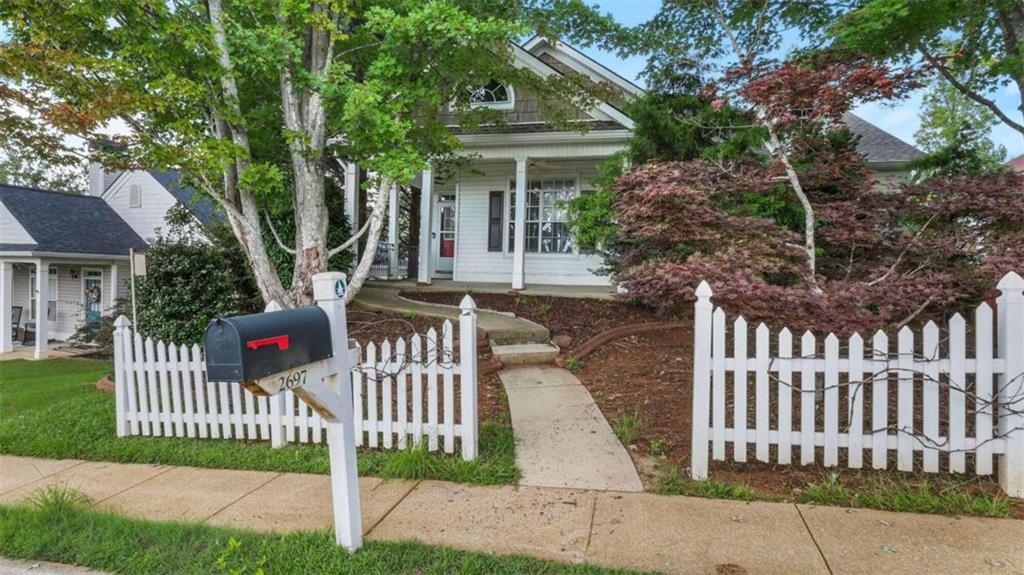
(628,530)
(501,328)
(562,439)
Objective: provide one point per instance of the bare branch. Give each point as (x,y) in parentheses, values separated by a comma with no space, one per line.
(899,258)
(348,243)
(277,238)
(915,313)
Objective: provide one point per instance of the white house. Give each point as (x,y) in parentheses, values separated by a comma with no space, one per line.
(500,220)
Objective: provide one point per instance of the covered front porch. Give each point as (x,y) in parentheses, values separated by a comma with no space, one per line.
(501,220)
(45,300)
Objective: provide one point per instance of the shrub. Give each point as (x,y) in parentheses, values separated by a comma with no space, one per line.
(190,280)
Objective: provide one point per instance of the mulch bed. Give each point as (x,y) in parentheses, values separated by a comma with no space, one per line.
(371,326)
(578,318)
(649,377)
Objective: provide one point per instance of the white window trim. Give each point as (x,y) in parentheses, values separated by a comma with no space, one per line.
(507,216)
(506,105)
(52,270)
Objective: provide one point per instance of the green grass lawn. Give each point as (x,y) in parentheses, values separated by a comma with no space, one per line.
(59,528)
(52,409)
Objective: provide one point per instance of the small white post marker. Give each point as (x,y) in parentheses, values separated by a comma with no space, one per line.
(329,291)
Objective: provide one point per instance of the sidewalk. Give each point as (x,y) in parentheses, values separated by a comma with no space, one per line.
(629,530)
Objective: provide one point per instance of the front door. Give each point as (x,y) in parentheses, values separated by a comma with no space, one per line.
(92,294)
(444,234)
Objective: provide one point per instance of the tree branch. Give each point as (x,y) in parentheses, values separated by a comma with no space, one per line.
(899,258)
(914,314)
(967,91)
(277,238)
(348,243)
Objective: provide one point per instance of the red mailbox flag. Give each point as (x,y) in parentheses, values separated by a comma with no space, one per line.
(281,341)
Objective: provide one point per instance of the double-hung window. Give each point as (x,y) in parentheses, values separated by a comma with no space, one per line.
(51,300)
(546,228)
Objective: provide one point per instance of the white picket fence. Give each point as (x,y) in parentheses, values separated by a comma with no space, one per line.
(402,394)
(822,400)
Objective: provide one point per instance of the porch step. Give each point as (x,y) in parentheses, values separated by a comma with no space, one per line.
(525,353)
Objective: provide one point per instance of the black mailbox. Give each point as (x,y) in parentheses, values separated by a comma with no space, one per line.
(250,347)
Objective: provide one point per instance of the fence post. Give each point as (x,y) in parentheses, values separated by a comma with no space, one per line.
(329,292)
(276,402)
(702,328)
(1010,309)
(121,325)
(467,378)
(276,426)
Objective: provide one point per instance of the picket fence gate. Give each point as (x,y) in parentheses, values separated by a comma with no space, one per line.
(403,394)
(985,392)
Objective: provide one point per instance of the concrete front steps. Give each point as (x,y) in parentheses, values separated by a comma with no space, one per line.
(524,353)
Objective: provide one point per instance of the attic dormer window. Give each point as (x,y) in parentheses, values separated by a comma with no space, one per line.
(492,95)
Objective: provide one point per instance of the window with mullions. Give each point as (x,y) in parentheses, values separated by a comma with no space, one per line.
(493,94)
(546,230)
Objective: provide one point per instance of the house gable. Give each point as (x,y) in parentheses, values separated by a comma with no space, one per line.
(567,59)
(524,116)
(141,201)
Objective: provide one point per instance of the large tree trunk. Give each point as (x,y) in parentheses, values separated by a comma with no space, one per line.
(304,113)
(239,203)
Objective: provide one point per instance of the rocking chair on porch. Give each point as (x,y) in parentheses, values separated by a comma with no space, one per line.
(15,321)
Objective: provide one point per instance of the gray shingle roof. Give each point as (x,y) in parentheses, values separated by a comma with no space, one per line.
(200,205)
(877,145)
(67,223)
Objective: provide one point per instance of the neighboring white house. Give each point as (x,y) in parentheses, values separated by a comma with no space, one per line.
(65,257)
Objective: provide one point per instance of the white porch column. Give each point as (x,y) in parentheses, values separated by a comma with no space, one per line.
(393,232)
(426,252)
(42,301)
(352,200)
(6,302)
(519,247)
(113,287)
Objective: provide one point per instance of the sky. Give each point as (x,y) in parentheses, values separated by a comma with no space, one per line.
(899,118)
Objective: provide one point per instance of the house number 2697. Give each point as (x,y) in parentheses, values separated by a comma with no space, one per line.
(292,380)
